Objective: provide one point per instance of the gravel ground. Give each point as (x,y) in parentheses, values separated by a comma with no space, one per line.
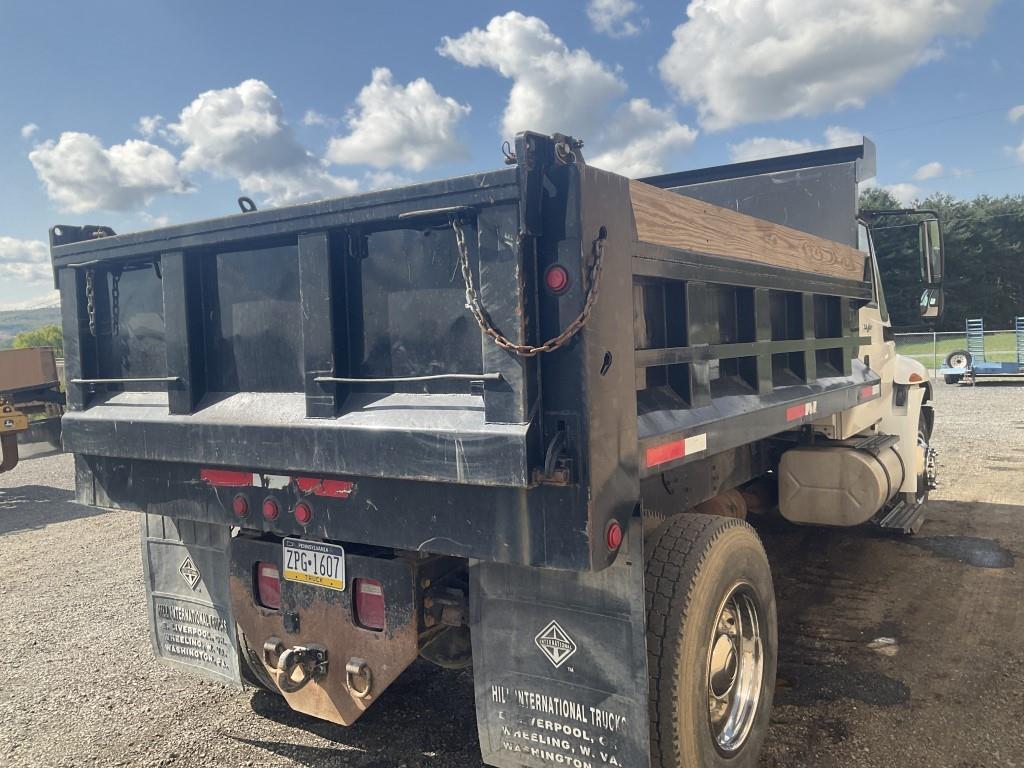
(81,687)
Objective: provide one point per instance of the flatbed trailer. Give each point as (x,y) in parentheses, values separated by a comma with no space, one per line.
(513,419)
(971,364)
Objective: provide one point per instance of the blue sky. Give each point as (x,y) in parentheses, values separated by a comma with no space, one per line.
(315,99)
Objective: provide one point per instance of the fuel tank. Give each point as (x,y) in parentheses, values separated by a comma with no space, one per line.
(837,485)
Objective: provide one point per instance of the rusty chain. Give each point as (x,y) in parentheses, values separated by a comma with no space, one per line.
(475,306)
(90,299)
(115,303)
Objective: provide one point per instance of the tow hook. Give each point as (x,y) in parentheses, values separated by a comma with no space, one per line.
(311,661)
(357,668)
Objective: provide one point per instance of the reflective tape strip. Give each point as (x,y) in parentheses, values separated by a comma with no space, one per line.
(225,477)
(870,391)
(677,449)
(338,489)
(797,412)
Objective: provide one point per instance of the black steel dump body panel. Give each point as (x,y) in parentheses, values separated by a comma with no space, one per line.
(265,342)
(444,439)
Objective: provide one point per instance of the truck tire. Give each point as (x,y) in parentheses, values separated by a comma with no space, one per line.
(959,358)
(712,641)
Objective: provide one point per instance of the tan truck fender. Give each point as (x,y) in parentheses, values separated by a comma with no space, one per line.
(910,408)
(909,371)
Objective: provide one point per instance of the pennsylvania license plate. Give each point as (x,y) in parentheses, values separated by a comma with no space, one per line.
(313,562)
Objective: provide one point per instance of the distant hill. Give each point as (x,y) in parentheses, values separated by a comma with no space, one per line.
(46,301)
(14,321)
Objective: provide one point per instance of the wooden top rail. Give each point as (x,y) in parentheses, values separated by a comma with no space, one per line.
(677,221)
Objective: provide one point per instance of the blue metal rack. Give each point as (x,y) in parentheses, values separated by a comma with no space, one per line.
(976,339)
(1018,328)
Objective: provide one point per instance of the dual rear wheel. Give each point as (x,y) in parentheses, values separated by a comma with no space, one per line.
(712,642)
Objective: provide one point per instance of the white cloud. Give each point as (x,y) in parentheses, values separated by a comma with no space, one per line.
(408,126)
(554,88)
(838,136)
(928,171)
(241,133)
(744,61)
(152,221)
(28,130)
(312,117)
(80,174)
(148,125)
(1013,115)
(906,193)
(26,261)
(640,138)
(613,17)
(1019,152)
(760,147)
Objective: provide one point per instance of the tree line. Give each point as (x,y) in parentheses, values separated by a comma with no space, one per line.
(45,336)
(984,245)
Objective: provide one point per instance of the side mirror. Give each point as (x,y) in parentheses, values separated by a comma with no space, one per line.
(929,235)
(931,303)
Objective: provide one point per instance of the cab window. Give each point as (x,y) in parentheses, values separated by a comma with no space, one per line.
(865,244)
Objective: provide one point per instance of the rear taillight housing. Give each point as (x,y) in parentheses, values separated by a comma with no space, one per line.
(268,585)
(369,604)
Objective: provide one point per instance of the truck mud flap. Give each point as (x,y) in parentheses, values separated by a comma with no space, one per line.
(187,589)
(560,663)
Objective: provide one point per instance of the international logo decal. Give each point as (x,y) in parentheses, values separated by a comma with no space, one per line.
(555,643)
(190,572)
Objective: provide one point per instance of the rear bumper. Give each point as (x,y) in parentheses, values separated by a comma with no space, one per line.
(312,616)
(440,438)
(545,526)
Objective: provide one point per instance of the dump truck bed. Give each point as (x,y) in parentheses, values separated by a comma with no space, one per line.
(332,340)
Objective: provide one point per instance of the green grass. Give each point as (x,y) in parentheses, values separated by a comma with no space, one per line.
(999,347)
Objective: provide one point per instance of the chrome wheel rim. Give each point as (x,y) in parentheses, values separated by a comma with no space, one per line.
(735,669)
(958,361)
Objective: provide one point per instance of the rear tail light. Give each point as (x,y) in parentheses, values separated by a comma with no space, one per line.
(369,604)
(271,509)
(268,585)
(557,279)
(613,536)
(303,513)
(240,505)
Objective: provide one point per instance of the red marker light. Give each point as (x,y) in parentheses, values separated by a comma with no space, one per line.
(557,278)
(303,513)
(268,585)
(369,604)
(240,505)
(270,509)
(614,535)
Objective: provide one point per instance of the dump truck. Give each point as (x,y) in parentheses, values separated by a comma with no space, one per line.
(516,420)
